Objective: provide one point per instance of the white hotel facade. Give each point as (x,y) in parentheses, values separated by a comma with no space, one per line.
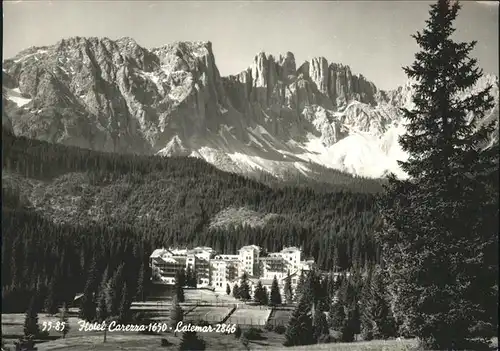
(219,270)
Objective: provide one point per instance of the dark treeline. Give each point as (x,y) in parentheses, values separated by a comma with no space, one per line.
(128,205)
(55,262)
(324,179)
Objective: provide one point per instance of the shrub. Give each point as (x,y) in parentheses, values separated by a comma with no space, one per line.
(253,334)
(237,333)
(336,336)
(165,342)
(43,335)
(25,343)
(325,339)
(280,329)
(191,341)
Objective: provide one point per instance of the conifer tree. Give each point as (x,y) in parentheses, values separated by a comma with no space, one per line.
(102,306)
(258,294)
(310,289)
(114,290)
(337,315)
(50,300)
(140,284)
(180,278)
(265,296)
(346,291)
(378,311)
(179,292)
(190,277)
(244,289)
(332,287)
(441,223)
(228,290)
(354,318)
(125,303)
(320,325)
(366,314)
(87,310)
(324,300)
(299,330)
(64,321)
(339,281)
(275,293)
(236,291)
(187,275)
(176,314)
(288,290)
(348,327)
(31,327)
(299,290)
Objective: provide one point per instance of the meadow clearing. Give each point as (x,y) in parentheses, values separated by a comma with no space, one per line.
(222,305)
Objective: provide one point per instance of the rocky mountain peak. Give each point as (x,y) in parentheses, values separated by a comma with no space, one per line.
(288,65)
(115,95)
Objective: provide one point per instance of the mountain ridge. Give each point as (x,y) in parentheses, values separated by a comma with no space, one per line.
(274,117)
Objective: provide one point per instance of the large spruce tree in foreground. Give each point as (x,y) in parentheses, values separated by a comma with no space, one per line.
(441,224)
(299,330)
(377,318)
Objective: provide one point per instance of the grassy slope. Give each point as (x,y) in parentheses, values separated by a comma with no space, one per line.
(216,342)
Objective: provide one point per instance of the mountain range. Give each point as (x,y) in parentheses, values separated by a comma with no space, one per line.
(274,117)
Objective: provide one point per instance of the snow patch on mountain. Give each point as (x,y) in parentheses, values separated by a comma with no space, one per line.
(244,161)
(303,169)
(253,139)
(174,147)
(359,154)
(38,52)
(16,97)
(153,77)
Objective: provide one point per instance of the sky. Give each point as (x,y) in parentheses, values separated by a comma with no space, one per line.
(372,37)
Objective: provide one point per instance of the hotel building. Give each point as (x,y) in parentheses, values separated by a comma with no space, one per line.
(220,270)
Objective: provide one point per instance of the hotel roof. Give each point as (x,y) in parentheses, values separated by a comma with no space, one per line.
(290,249)
(250,247)
(159,252)
(203,248)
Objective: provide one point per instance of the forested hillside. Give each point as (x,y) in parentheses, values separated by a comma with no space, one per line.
(65,207)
